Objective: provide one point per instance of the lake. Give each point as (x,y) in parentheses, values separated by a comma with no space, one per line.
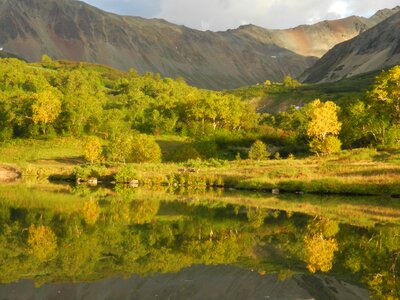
(78,242)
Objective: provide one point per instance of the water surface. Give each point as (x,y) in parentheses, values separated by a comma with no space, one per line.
(78,242)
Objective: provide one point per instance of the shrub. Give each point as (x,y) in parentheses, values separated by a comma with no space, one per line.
(144,148)
(277,156)
(185,153)
(258,151)
(207,148)
(331,144)
(42,242)
(119,148)
(86,172)
(126,174)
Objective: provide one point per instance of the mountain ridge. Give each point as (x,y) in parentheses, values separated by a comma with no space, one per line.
(374,49)
(74,30)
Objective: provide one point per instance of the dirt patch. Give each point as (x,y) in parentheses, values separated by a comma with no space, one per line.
(8,173)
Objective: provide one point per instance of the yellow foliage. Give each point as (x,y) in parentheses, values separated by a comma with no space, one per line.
(323,120)
(91,211)
(320,252)
(93,150)
(42,242)
(46,107)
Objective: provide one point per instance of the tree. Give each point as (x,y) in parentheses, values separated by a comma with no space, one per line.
(119,148)
(320,252)
(144,148)
(91,211)
(386,92)
(289,82)
(46,108)
(323,123)
(93,149)
(267,83)
(42,242)
(258,151)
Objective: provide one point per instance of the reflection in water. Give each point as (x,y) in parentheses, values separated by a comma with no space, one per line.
(55,234)
(320,245)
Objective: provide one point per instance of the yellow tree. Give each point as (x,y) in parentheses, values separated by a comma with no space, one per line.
(46,108)
(320,252)
(93,149)
(321,245)
(324,127)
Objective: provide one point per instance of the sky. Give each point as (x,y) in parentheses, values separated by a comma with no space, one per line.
(218,15)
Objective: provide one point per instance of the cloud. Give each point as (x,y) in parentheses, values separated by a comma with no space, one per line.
(225,14)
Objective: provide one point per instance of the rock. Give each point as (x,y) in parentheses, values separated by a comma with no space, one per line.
(92,181)
(134,183)
(275,191)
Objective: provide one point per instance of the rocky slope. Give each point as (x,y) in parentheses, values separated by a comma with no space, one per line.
(67,29)
(374,49)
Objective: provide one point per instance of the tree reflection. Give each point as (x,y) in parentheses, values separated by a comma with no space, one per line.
(320,246)
(129,232)
(42,242)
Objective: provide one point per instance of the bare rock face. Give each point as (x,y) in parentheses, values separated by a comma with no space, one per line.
(67,29)
(372,50)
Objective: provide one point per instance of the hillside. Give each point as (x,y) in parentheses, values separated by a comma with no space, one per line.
(66,29)
(277,98)
(374,49)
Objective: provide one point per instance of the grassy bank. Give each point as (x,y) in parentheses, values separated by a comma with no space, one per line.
(355,172)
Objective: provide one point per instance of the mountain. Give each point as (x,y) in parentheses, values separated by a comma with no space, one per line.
(73,30)
(4,54)
(317,39)
(374,49)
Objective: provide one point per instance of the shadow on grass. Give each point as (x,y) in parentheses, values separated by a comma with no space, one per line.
(70,161)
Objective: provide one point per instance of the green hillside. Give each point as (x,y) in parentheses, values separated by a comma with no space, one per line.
(278,98)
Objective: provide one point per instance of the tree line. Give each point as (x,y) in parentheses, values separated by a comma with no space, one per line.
(53,98)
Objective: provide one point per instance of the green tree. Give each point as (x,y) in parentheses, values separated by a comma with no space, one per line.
(386,92)
(258,151)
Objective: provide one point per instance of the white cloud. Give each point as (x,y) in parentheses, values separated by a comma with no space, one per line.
(340,8)
(224,14)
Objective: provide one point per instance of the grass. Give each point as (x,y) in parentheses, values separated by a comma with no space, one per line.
(355,172)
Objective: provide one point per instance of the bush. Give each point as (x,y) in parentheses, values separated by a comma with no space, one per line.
(86,172)
(185,153)
(258,151)
(207,148)
(144,148)
(126,174)
(119,148)
(331,144)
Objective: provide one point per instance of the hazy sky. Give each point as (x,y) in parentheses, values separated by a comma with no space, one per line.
(224,14)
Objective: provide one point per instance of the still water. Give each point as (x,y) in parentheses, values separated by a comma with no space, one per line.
(79,242)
